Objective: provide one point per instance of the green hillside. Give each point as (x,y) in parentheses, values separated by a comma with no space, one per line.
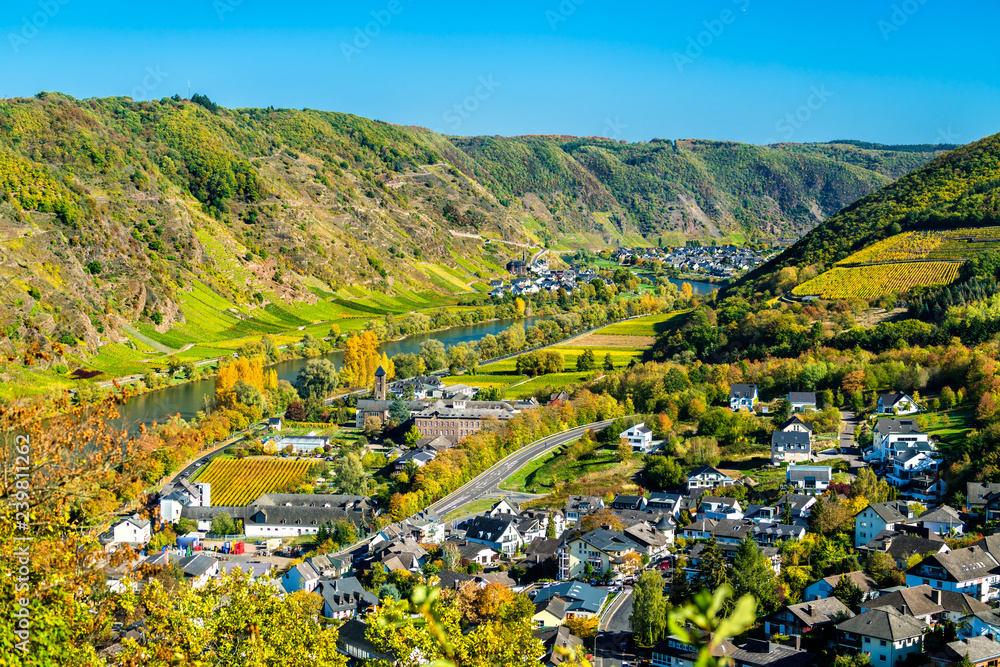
(957,191)
(130,229)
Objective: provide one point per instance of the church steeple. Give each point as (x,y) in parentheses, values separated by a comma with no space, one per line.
(381,389)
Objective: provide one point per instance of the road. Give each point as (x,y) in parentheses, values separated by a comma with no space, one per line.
(487,482)
(849,450)
(612,630)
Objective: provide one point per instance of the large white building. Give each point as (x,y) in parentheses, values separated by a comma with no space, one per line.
(639,437)
(893,437)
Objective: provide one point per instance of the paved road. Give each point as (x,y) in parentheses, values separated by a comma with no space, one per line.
(849,450)
(612,630)
(488,481)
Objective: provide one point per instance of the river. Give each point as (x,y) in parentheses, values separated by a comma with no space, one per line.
(696,287)
(188,398)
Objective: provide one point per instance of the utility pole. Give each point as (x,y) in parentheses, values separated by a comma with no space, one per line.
(189,90)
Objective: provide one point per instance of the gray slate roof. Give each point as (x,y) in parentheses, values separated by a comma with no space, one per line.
(884,623)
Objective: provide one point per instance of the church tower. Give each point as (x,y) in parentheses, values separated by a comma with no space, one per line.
(380,384)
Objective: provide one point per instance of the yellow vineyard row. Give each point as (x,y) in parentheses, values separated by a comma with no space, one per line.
(871,282)
(237,482)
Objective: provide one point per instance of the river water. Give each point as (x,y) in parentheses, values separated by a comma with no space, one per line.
(188,398)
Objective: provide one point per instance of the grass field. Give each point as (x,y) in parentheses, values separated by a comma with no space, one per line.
(238,482)
(541,475)
(651,325)
(952,427)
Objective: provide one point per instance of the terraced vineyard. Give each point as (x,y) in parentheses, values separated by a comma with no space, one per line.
(871,282)
(238,482)
(951,244)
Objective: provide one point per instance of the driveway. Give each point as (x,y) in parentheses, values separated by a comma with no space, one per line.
(849,424)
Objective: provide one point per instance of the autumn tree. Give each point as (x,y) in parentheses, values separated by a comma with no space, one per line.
(600,518)
(361,360)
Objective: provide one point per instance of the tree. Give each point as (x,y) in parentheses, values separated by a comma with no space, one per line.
(398,413)
(848,592)
(450,557)
(649,609)
(361,359)
(713,572)
(373,425)
(295,412)
(190,370)
(350,477)
(433,355)
(609,363)
(752,575)
(408,365)
(602,517)
(586,361)
(856,660)
(584,628)
(250,396)
(413,436)
(317,379)
(223,524)
(947,399)
(881,567)
(388,591)
(623,453)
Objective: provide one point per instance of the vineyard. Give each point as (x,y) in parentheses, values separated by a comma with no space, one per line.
(237,482)
(871,282)
(952,244)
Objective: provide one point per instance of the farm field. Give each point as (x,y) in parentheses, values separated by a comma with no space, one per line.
(871,282)
(238,482)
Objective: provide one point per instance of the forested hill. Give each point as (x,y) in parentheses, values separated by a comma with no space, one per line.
(694,187)
(960,189)
(115,213)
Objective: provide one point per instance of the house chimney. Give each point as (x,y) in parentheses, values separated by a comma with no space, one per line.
(936,596)
(810,609)
(797,642)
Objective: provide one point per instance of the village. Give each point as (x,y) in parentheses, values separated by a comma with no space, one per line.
(717,261)
(924,584)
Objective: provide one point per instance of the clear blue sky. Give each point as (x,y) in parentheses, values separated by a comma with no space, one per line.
(917,71)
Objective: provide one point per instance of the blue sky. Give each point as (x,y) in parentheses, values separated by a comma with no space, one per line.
(913,71)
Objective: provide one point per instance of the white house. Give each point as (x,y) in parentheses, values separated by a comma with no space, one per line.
(302,577)
(942,520)
(877,517)
(795,423)
(802,400)
(790,447)
(707,477)
(886,635)
(892,437)
(504,507)
(198,569)
(809,479)
(133,531)
(742,397)
(640,438)
(896,404)
(910,464)
(500,534)
(184,494)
